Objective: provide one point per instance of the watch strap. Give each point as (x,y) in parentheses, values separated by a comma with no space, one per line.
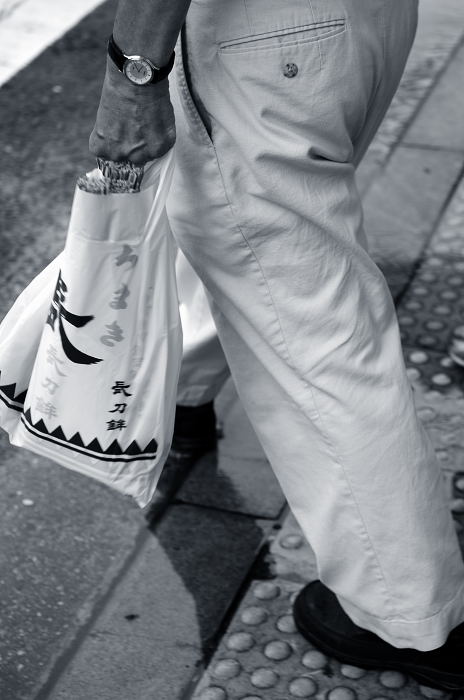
(119,59)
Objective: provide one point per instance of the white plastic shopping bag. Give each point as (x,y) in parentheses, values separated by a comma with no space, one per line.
(90,352)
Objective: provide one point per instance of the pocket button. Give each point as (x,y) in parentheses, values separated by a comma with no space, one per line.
(290,70)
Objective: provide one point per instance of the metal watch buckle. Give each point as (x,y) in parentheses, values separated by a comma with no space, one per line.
(140,58)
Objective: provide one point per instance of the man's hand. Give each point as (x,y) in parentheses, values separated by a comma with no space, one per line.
(134,123)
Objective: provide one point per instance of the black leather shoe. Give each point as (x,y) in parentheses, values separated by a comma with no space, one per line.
(322,621)
(194,432)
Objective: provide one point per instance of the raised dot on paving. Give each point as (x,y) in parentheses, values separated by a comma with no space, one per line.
(442,310)
(432,395)
(457,505)
(291,542)
(212,694)
(413,373)
(418,357)
(266,590)
(252,697)
(286,624)
(427,277)
(458,332)
(443,455)
(446,362)
(432,692)
(413,305)
(459,483)
(449,295)
(264,678)
(426,413)
(240,641)
(393,679)
(441,379)
(314,660)
(442,248)
(254,615)
(419,291)
(447,438)
(227,668)
(455,280)
(277,650)
(455,419)
(302,687)
(447,234)
(341,693)
(352,672)
(434,325)
(406,320)
(428,340)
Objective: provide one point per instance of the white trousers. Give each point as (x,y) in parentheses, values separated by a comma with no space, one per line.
(204,367)
(275,103)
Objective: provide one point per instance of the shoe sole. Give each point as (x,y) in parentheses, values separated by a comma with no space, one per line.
(420,675)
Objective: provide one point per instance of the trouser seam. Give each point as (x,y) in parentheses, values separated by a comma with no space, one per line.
(372,554)
(270,302)
(188,99)
(186,94)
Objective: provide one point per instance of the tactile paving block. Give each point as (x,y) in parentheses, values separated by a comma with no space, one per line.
(290,556)
(433,306)
(449,239)
(263,657)
(443,419)
(434,371)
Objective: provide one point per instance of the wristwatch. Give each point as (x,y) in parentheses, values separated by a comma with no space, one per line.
(138,69)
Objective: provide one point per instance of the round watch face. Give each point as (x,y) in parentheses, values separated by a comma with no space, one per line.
(138,71)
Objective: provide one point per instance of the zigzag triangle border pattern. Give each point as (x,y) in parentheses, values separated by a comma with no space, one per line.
(10,398)
(113,453)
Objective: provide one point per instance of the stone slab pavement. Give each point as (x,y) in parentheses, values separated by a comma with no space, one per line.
(93,603)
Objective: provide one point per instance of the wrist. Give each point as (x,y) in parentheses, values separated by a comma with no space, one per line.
(118,81)
(159,56)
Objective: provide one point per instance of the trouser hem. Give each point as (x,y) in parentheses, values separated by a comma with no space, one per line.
(196,396)
(423,635)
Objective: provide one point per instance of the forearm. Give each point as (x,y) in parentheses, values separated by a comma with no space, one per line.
(136,122)
(149,27)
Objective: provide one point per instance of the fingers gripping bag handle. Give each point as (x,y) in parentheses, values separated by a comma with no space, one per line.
(100,395)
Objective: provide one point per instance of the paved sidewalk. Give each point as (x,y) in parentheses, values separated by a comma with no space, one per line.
(223,579)
(94,604)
